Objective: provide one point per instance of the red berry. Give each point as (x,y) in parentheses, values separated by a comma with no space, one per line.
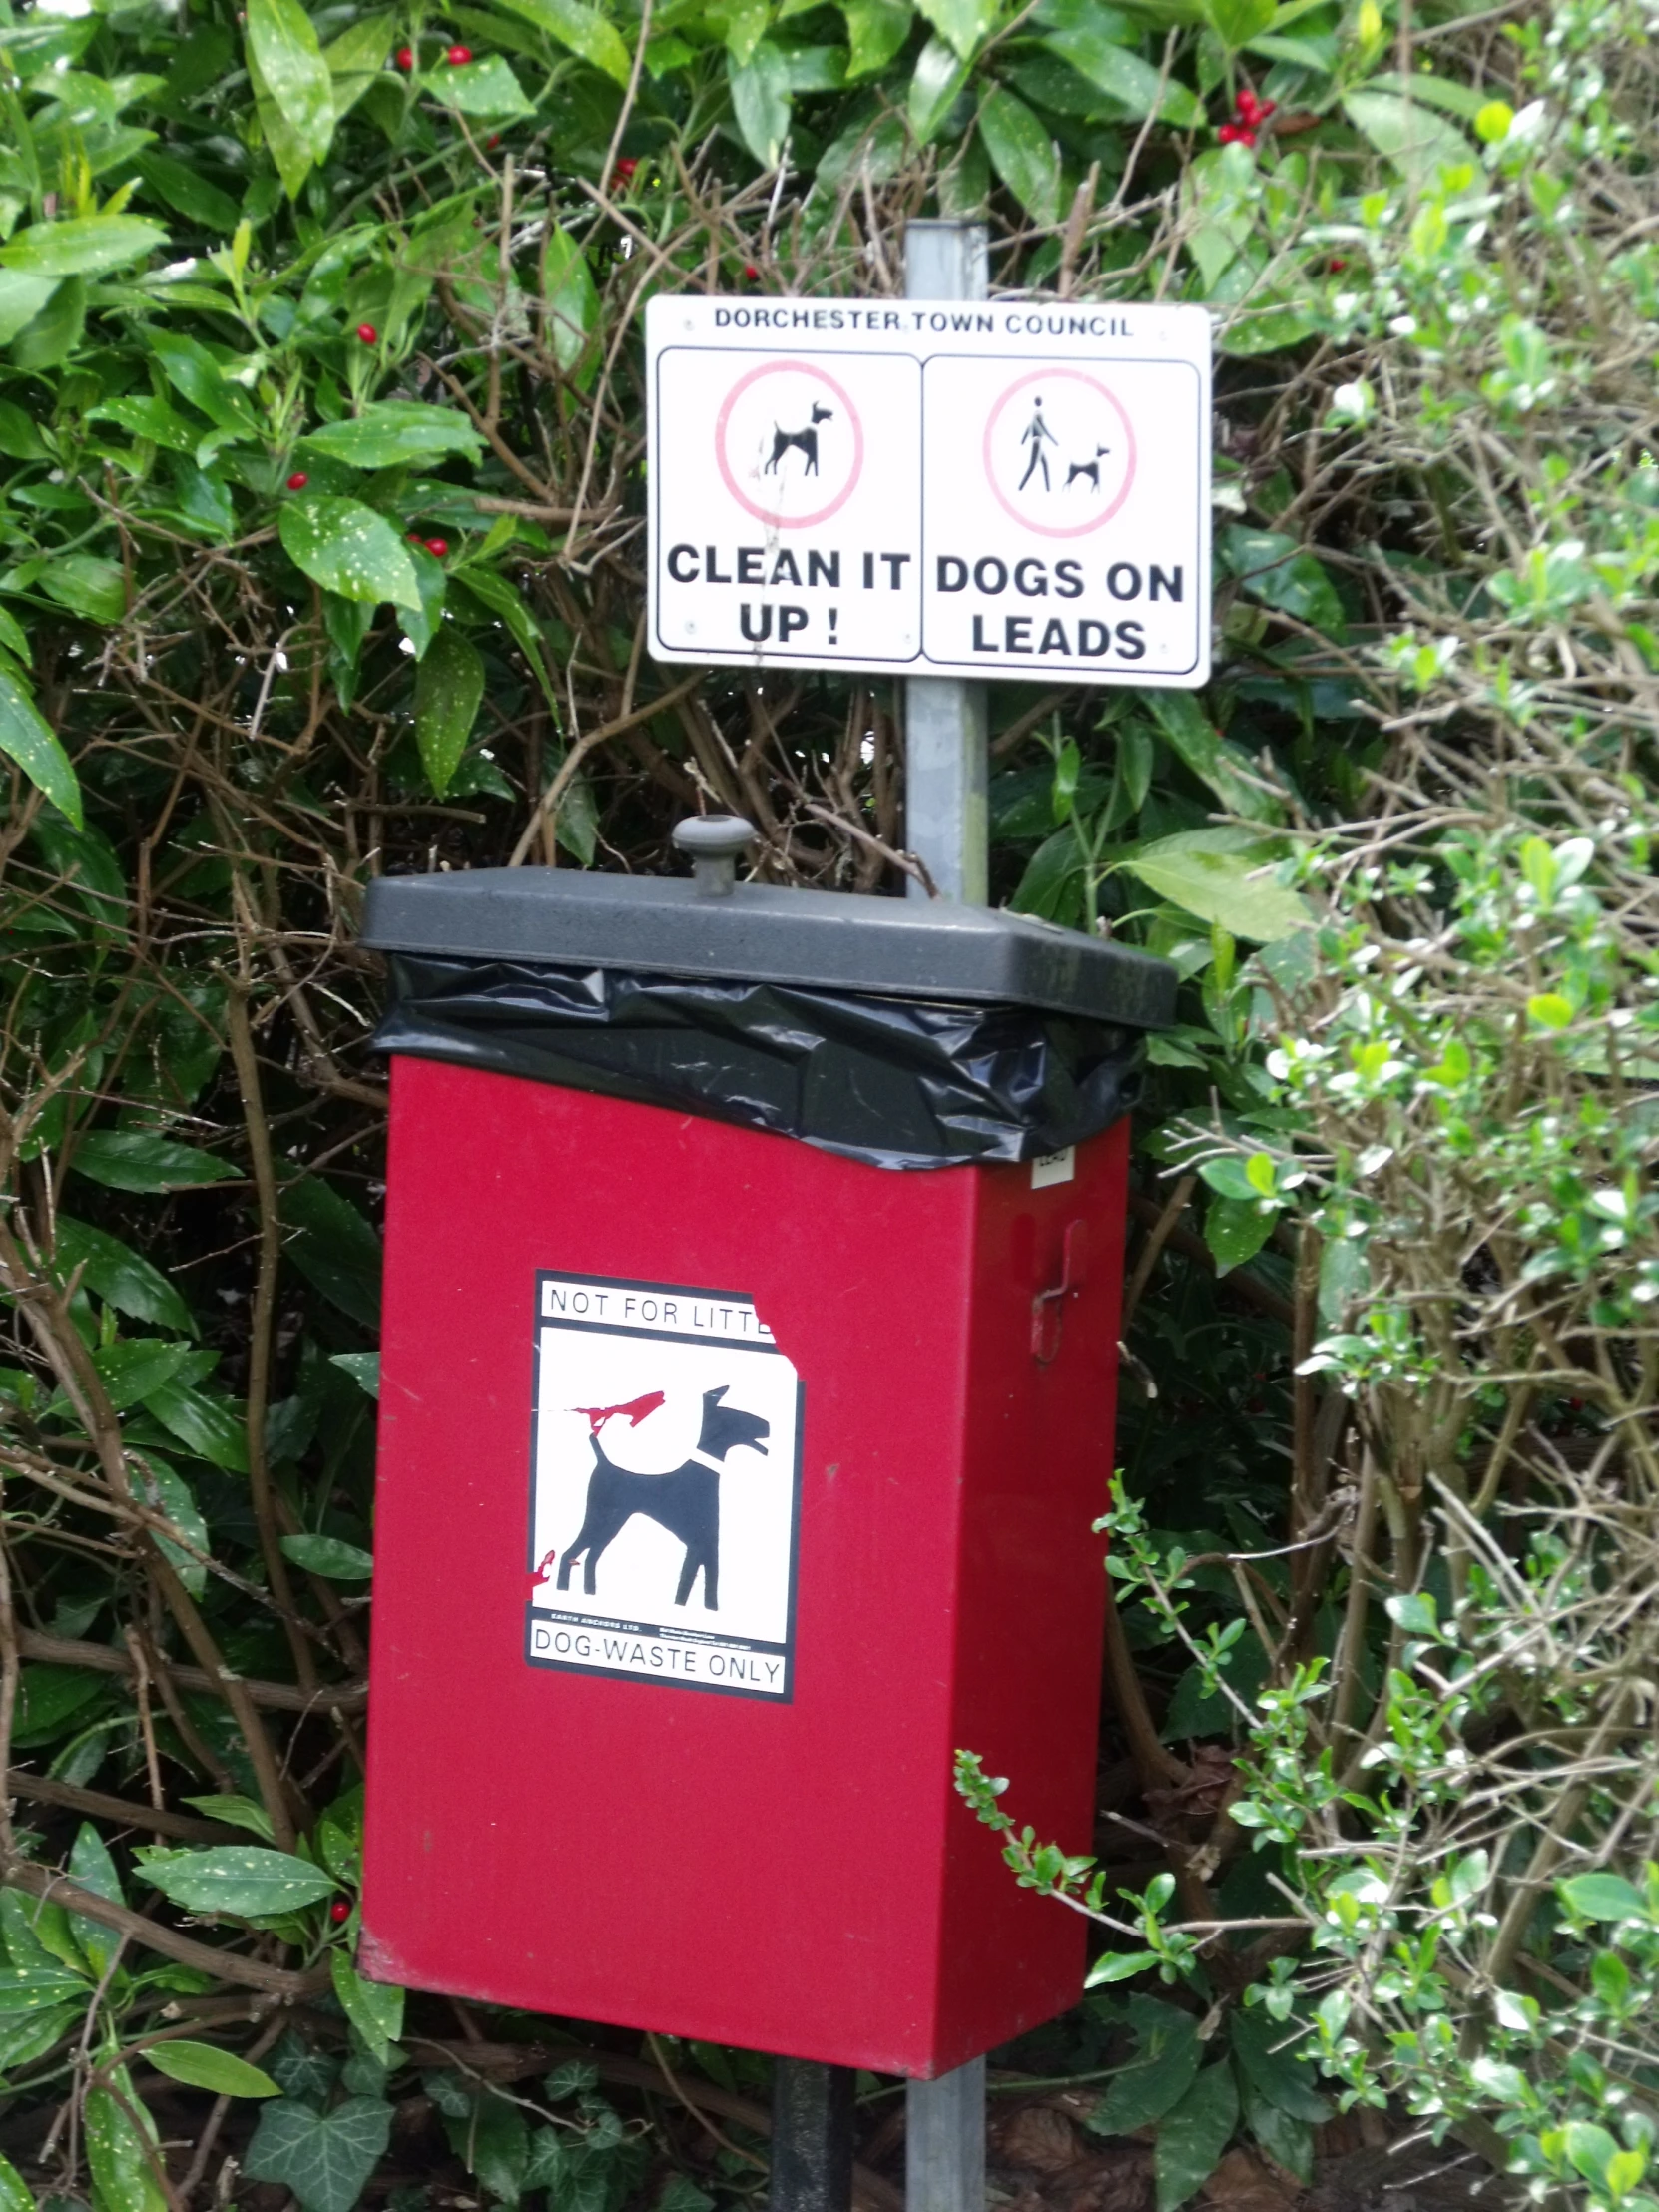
(1248,106)
(437,547)
(1236,133)
(1267,108)
(751,272)
(416,538)
(298,480)
(406,58)
(340,1910)
(367,332)
(490,143)
(1335,265)
(458,56)
(623,174)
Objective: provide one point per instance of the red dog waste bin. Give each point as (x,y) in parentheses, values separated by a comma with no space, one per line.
(753,1274)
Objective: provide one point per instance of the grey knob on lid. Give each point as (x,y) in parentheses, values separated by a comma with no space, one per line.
(715,842)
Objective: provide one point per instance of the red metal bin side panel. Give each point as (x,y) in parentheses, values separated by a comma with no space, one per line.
(717,1866)
(1032,1588)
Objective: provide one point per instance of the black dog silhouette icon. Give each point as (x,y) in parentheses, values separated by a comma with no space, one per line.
(685,1502)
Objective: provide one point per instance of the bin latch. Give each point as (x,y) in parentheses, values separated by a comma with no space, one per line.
(1048,1308)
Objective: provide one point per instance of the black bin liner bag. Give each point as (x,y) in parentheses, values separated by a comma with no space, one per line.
(896,1082)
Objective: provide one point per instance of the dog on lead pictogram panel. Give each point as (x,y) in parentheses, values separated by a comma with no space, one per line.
(686,1501)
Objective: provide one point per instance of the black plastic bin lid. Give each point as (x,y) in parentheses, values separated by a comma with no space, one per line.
(765,933)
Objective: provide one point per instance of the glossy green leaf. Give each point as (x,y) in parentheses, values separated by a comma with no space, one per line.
(333,1247)
(118,2154)
(240,1878)
(1236,22)
(1205,872)
(760,102)
(1417,141)
(357,58)
(237,1811)
(449,688)
(189,192)
(1236,1229)
(28,738)
(1022,154)
(130,1371)
(1131,81)
(1602,1896)
(49,1699)
(374,2008)
(1192,2136)
(326,2158)
(92,1866)
(348,548)
(581,28)
(1288,2142)
(283,44)
(118,1276)
(82,245)
(87,585)
(875,30)
(1281,572)
(1223,765)
(146,416)
(393,433)
(962,24)
(165,1490)
(938,77)
(571,302)
(132,1160)
(15,2193)
(212,1428)
(33,1989)
(491,2137)
(486,87)
(204,2066)
(21,299)
(330,1556)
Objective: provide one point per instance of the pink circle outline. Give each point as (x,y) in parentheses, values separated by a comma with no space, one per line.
(1043,529)
(761,514)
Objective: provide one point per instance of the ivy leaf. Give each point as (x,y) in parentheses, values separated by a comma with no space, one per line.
(240,1878)
(449,688)
(393,433)
(203,2067)
(326,2158)
(27,738)
(1288,2142)
(132,1160)
(581,28)
(1193,2136)
(82,245)
(1022,154)
(330,1556)
(374,2008)
(1267,2056)
(282,45)
(761,101)
(349,548)
(1158,2077)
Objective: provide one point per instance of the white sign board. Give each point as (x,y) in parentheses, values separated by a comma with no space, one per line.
(999,490)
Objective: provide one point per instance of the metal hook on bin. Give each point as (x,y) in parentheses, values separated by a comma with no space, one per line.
(1048,1308)
(715,842)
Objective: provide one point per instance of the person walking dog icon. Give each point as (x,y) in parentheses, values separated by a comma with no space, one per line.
(1033,435)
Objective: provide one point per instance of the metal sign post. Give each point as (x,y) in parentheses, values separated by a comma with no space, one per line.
(947,826)
(945,754)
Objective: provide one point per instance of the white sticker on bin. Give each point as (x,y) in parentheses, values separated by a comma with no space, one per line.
(1053,1167)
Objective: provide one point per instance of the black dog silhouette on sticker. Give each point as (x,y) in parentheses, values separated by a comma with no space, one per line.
(804,440)
(686,1502)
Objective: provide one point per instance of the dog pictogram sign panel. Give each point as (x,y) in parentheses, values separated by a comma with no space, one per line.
(999,490)
(665,1481)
